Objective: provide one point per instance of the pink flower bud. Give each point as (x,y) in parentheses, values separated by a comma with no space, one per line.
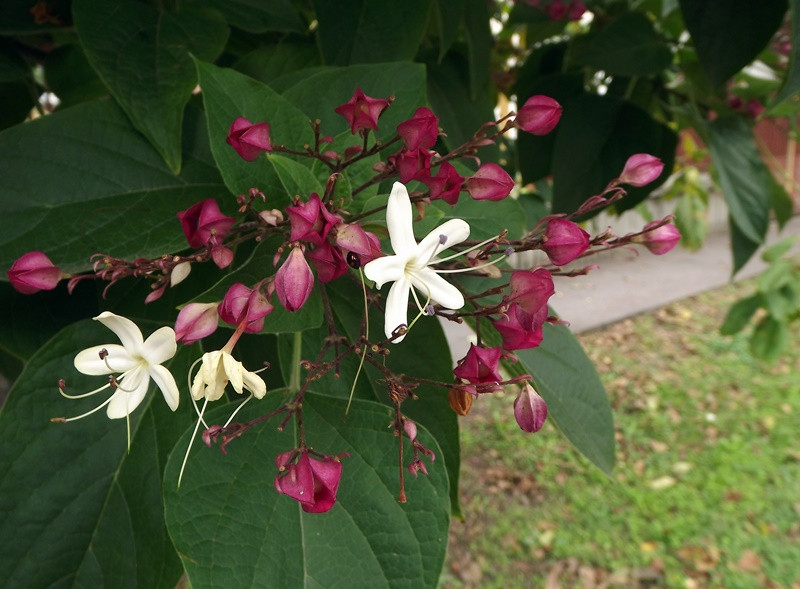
(196,321)
(328,261)
(311,482)
(519,329)
(412,164)
(641,169)
(410,428)
(33,272)
(531,289)
(563,241)
(311,221)
(539,115)
(294,281)
(446,185)
(203,221)
(480,365)
(754,108)
(557,10)
(271,217)
(222,256)
(240,303)
(352,238)
(179,273)
(420,131)
(576,10)
(490,182)
(660,239)
(530,410)
(362,112)
(248,139)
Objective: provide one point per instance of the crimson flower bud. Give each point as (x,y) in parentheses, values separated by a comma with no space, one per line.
(480,365)
(362,112)
(539,115)
(412,164)
(420,131)
(446,185)
(531,289)
(311,482)
(240,303)
(557,10)
(196,321)
(641,169)
(204,220)
(328,261)
(576,10)
(490,182)
(311,221)
(33,272)
(410,428)
(248,139)
(519,329)
(660,239)
(754,108)
(294,280)
(352,238)
(530,410)
(563,241)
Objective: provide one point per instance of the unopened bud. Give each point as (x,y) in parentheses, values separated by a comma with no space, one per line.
(460,401)
(179,273)
(641,169)
(530,410)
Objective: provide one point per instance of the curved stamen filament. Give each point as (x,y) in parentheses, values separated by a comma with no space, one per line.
(466,251)
(95,410)
(82,395)
(191,440)
(235,411)
(470,268)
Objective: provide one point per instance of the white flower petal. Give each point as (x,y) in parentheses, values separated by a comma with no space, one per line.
(123,402)
(385,269)
(88,361)
(440,291)
(254,384)
(234,371)
(126,331)
(160,346)
(166,382)
(397,308)
(455,231)
(399,220)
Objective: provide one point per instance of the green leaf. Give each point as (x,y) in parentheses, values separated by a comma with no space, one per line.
(362,31)
(629,46)
(742,175)
(594,139)
(449,16)
(729,34)
(778,250)
(16,102)
(81,509)
(780,202)
(791,85)
(691,216)
(142,56)
(479,42)
(17,17)
(269,62)
(257,16)
(739,314)
(576,400)
(71,78)
(82,181)
(233,529)
(781,303)
(228,95)
(769,339)
(775,276)
(741,246)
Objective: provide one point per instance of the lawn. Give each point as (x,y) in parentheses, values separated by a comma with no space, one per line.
(705,490)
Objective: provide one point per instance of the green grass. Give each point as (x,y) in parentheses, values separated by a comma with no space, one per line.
(705,491)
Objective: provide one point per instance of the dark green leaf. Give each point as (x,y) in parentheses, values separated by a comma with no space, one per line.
(691,218)
(769,339)
(729,34)
(479,41)
(791,85)
(25,17)
(257,16)
(739,314)
(233,529)
(778,250)
(81,509)
(781,303)
(629,46)
(17,99)
(449,16)
(741,246)
(362,31)
(270,62)
(70,76)
(780,202)
(742,175)
(82,181)
(142,56)
(12,65)
(775,276)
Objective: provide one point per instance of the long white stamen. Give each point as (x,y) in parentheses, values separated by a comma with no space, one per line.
(366,339)
(81,396)
(235,411)
(478,267)
(96,409)
(191,441)
(194,401)
(466,251)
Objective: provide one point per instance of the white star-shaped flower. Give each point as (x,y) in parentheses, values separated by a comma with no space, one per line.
(136,361)
(410,266)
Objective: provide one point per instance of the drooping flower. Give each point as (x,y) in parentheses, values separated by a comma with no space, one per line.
(249,140)
(563,241)
(521,329)
(243,303)
(294,280)
(33,272)
(136,361)
(641,169)
(352,238)
(410,266)
(311,221)
(446,185)
(421,130)
(412,164)
(217,369)
(311,482)
(328,261)
(204,222)
(196,321)
(659,240)
(490,182)
(539,115)
(480,365)
(530,289)
(362,112)
(530,410)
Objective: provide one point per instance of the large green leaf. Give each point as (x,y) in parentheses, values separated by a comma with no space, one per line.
(82,510)
(82,181)
(233,529)
(228,95)
(479,41)
(257,16)
(142,56)
(362,31)
(576,399)
(729,34)
(269,62)
(594,139)
(742,175)
(791,85)
(629,46)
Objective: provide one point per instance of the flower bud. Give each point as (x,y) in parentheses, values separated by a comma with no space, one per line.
(179,273)
(412,164)
(248,139)
(557,10)
(294,281)
(563,241)
(271,217)
(660,239)
(531,289)
(240,303)
(460,401)
(446,185)
(203,221)
(352,238)
(519,329)
(576,10)
(311,221)
(539,115)
(490,182)
(33,272)
(362,112)
(196,321)
(420,131)
(641,169)
(328,261)
(410,428)
(480,365)
(530,410)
